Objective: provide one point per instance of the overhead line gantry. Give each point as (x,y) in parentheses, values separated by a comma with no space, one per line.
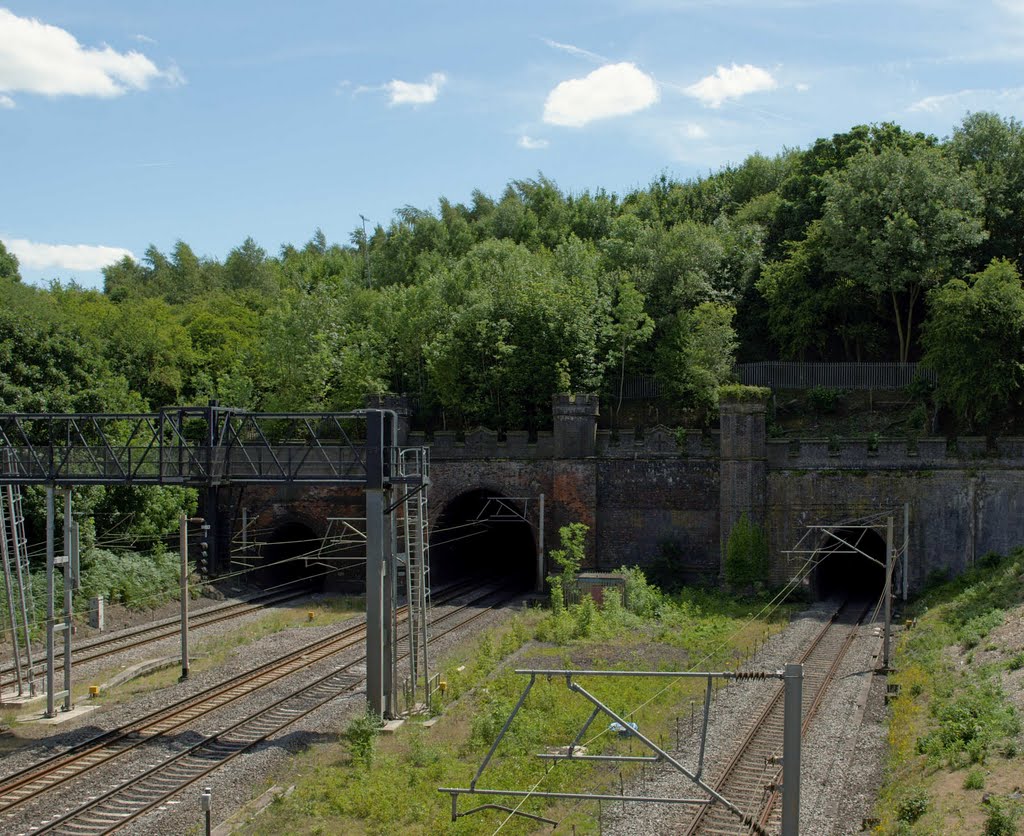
(209,447)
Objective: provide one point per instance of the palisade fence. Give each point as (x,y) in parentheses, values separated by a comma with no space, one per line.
(786,375)
(782,375)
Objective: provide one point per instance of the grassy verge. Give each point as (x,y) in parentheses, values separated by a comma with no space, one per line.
(360,784)
(955,762)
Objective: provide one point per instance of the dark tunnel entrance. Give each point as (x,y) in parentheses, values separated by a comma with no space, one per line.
(480,534)
(853,565)
(288,559)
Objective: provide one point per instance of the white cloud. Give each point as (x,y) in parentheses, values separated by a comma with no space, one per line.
(407,92)
(691,130)
(532,144)
(611,90)
(801,87)
(575,50)
(145,39)
(36,256)
(36,57)
(6,101)
(731,83)
(959,99)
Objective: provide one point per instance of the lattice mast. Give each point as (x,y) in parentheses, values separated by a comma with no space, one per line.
(414,556)
(18,582)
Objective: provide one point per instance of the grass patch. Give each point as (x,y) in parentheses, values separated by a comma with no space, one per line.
(953,712)
(369,784)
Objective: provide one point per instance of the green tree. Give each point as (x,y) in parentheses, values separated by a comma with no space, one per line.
(993,149)
(900,223)
(630,327)
(8,265)
(697,354)
(974,340)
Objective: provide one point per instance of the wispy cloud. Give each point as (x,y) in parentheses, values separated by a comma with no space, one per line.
(962,98)
(407,92)
(729,83)
(6,102)
(579,52)
(36,256)
(532,144)
(611,90)
(36,57)
(145,39)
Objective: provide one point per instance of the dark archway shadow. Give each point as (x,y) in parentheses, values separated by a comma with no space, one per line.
(846,573)
(475,537)
(287,558)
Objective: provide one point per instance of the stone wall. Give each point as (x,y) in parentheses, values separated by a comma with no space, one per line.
(638,492)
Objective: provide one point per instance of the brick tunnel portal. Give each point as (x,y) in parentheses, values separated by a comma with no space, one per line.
(288,558)
(853,565)
(479,534)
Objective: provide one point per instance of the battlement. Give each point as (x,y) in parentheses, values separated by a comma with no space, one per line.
(891,453)
(483,443)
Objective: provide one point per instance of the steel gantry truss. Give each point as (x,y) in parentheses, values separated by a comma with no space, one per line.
(214,446)
(576,750)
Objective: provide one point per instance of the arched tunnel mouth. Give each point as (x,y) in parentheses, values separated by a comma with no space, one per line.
(288,559)
(482,535)
(852,564)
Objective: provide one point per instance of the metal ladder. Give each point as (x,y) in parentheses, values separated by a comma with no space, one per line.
(416,556)
(18,580)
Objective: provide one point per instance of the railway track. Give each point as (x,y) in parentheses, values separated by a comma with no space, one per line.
(147,634)
(210,752)
(747,777)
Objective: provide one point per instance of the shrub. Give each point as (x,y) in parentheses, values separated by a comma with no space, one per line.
(746,554)
(641,598)
(570,557)
(361,736)
(913,806)
(824,400)
(1001,819)
(975,780)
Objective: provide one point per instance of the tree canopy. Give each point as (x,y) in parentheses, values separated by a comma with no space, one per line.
(480,310)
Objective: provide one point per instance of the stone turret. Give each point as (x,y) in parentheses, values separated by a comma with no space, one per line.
(399,404)
(575,425)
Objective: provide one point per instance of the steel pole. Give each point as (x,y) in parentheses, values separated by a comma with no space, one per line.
(539,585)
(183,580)
(792,720)
(68,603)
(906,547)
(887,593)
(375,565)
(50,710)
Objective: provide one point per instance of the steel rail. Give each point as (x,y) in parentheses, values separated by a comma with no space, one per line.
(165,628)
(29,783)
(107,812)
(746,769)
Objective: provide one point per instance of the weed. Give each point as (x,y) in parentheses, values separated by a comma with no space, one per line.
(913,806)
(1001,819)
(1016,662)
(975,780)
(361,735)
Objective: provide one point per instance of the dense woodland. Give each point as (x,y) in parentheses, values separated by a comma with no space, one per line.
(874,244)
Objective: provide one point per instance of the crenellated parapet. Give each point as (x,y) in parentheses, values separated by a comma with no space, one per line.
(893,454)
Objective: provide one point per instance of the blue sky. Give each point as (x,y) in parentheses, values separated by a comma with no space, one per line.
(129,123)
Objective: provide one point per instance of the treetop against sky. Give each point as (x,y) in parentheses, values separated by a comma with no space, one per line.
(125,124)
